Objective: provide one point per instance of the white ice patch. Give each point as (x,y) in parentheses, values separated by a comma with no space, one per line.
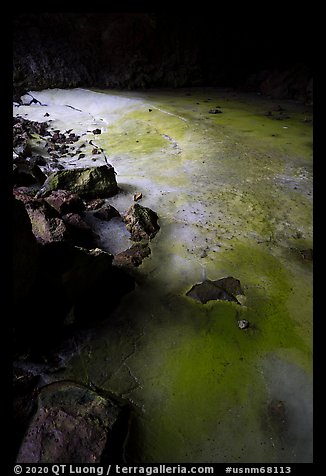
(93,102)
(78,108)
(113,235)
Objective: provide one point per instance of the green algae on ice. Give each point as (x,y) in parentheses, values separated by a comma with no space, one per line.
(212,377)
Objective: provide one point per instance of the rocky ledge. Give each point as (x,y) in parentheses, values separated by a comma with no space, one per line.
(64,283)
(51,210)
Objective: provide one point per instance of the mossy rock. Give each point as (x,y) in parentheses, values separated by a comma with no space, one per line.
(89,182)
(141,222)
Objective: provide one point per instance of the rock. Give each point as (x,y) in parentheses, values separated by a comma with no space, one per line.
(132,257)
(243,324)
(73,138)
(215,111)
(24,194)
(22,149)
(97,131)
(89,182)
(208,291)
(225,289)
(230,285)
(26,173)
(74,424)
(80,232)
(64,202)
(106,213)
(47,226)
(141,222)
(22,132)
(95,204)
(138,196)
(60,138)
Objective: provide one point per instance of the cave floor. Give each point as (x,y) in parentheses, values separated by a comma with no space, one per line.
(233,192)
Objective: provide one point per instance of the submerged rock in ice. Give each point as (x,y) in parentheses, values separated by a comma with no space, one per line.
(225,289)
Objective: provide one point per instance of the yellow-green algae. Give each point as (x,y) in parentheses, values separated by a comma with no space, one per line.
(233,192)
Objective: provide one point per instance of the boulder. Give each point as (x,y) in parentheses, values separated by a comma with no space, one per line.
(106,212)
(64,202)
(46,223)
(74,424)
(225,289)
(89,182)
(24,194)
(132,257)
(141,222)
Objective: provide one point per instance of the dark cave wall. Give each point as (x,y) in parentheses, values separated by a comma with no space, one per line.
(53,50)
(141,50)
(112,50)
